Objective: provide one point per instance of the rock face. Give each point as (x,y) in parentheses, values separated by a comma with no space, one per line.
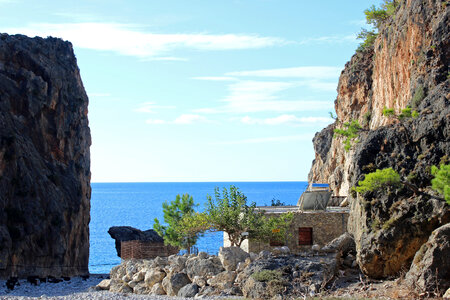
(127,233)
(408,66)
(430,269)
(44,160)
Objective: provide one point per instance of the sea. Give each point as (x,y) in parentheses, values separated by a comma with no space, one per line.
(138,204)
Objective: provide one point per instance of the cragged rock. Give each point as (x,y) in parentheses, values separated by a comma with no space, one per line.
(430,269)
(231,256)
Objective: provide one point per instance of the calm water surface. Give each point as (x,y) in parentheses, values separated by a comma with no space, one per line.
(137,204)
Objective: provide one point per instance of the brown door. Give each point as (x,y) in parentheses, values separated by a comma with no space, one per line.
(305,236)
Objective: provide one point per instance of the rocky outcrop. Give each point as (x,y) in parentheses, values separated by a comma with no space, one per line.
(44,160)
(259,276)
(127,233)
(408,66)
(430,270)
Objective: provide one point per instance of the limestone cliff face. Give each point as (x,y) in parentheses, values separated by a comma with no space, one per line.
(44,159)
(410,58)
(409,65)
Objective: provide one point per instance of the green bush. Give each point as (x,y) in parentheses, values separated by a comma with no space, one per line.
(441,181)
(419,95)
(350,132)
(368,37)
(388,112)
(267,275)
(378,180)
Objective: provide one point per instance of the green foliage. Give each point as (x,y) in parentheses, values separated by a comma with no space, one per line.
(419,95)
(274,229)
(230,213)
(175,233)
(277,202)
(350,132)
(267,275)
(415,114)
(375,16)
(368,37)
(332,115)
(379,179)
(441,181)
(388,112)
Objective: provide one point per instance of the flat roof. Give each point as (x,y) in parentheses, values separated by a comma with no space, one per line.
(295,208)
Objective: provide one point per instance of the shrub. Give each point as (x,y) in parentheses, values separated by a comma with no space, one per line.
(378,180)
(441,181)
(419,95)
(388,112)
(267,275)
(350,132)
(368,37)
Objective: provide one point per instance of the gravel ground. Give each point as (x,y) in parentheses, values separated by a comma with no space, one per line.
(74,289)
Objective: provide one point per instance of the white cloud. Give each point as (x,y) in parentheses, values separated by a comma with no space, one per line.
(127,39)
(215,78)
(331,39)
(312,72)
(276,139)
(149,107)
(183,119)
(287,120)
(248,96)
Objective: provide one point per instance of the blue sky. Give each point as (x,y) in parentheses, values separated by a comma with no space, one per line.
(230,90)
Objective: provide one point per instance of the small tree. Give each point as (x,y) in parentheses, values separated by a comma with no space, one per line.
(390,178)
(350,132)
(379,179)
(175,233)
(274,228)
(230,213)
(441,181)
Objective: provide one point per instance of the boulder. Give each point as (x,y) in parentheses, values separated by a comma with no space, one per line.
(447,294)
(174,283)
(127,233)
(430,269)
(154,276)
(254,289)
(157,289)
(231,256)
(197,266)
(141,288)
(104,284)
(344,243)
(200,281)
(188,291)
(223,280)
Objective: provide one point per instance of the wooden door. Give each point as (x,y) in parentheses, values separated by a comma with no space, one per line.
(305,236)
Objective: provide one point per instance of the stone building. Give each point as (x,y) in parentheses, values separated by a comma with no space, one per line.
(314,222)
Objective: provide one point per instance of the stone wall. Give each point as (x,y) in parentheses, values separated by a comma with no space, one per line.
(325,225)
(145,250)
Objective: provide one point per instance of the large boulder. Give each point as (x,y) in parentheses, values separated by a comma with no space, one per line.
(223,280)
(188,291)
(127,233)
(198,266)
(430,269)
(154,276)
(174,283)
(231,256)
(44,160)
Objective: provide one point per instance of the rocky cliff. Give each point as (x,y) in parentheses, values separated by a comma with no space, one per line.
(44,160)
(408,66)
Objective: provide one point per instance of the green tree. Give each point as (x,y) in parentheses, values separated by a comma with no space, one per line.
(441,181)
(274,228)
(350,132)
(389,178)
(379,179)
(176,233)
(229,212)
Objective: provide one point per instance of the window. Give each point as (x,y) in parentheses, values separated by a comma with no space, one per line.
(305,236)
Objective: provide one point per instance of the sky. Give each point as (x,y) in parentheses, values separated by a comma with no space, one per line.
(210,90)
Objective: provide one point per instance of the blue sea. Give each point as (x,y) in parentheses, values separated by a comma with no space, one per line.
(138,204)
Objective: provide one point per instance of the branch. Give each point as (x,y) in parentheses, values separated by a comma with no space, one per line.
(416,190)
